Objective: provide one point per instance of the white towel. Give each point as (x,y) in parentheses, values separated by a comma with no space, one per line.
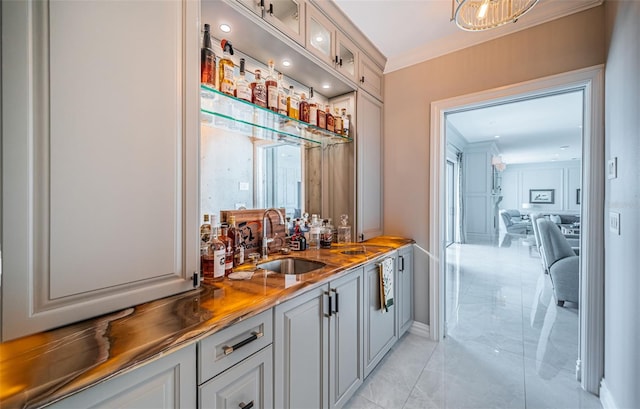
(386,284)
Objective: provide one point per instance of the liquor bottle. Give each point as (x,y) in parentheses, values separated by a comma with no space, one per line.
(225,69)
(337,122)
(228,250)
(322,118)
(313,109)
(205,231)
(234,234)
(346,122)
(304,108)
(326,234)
(259,90)
(207,60)
(293,104)
(272,89)
(214,260)
(282,95)
(243,90)
(330,120)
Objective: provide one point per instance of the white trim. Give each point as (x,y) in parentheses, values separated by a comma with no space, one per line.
(591,80)
(606,398)
(419,329)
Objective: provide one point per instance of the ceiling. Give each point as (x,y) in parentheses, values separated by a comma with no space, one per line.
(543,129)
(410,31)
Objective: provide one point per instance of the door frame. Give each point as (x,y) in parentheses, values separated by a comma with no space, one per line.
(590,364)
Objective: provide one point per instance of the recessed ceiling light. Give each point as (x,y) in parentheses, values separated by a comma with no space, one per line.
(225,28)
(319,39)
(564,147)
(326,86)
(286,63)
(497,136)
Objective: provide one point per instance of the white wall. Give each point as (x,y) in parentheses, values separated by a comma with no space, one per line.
(563,177)
(562,45)
(622,255)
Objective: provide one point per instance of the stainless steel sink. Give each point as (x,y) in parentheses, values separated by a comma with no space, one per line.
(353,252)
(291,265)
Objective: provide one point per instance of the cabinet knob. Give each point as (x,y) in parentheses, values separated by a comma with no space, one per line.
(362,79)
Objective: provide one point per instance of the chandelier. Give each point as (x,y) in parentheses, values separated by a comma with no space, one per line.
(477,15)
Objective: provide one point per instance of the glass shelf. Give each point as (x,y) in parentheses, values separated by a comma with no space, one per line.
(226,112)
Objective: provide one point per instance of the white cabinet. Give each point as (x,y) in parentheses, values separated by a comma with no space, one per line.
(235,365)
(405,289)
(246,385)
(371,77)
(331,45)
(168,382)
(100,158)
(369,163)
(318,345)
(288,16)
(301,351)
(380,325)
(346,367)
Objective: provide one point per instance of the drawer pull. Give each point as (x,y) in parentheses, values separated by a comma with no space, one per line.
(254,335)
(249,405)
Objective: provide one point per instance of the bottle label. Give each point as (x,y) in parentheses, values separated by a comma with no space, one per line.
(295,104)
(228,72)
(260,95)
(226,87)
(218,263)
(244,92)
(313,115)
(272,92)
(282,103)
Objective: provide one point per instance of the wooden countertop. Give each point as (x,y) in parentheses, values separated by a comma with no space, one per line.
(42,368)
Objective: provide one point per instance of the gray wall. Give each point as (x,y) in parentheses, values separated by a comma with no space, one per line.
(622,258)
(569,43)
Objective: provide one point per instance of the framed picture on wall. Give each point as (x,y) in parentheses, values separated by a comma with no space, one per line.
(542,196)
(577,196)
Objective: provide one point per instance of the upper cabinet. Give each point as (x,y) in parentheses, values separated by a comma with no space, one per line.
(330,44)
(287,16)
(100,158)
(371,77)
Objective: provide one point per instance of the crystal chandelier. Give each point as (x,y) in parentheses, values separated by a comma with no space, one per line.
(477,15)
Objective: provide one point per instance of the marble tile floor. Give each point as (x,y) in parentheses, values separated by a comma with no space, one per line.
(508,344)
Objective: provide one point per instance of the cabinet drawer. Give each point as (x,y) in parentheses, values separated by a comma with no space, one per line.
(247,385)
(230,346)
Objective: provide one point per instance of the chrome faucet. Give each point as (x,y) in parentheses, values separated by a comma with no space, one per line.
(265,239)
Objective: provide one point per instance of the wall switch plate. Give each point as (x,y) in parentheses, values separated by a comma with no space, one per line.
(244,186)
(612,168)
(614,223)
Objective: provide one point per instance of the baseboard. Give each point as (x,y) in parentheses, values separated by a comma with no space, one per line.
(606,399)
(419,329)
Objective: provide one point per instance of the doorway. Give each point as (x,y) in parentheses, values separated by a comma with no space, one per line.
(451,202)
(590,80)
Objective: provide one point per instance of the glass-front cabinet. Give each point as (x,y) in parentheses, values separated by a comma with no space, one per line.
(287,16)
(331,45)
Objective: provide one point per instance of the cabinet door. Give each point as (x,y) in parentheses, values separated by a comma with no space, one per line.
(301,354)
(379,325)
(100,158)
(346,337)
(248,384)
(169,382)
(371,77)
(287,16)
(405,289)
(320,38)
(347,53)
(369,165)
